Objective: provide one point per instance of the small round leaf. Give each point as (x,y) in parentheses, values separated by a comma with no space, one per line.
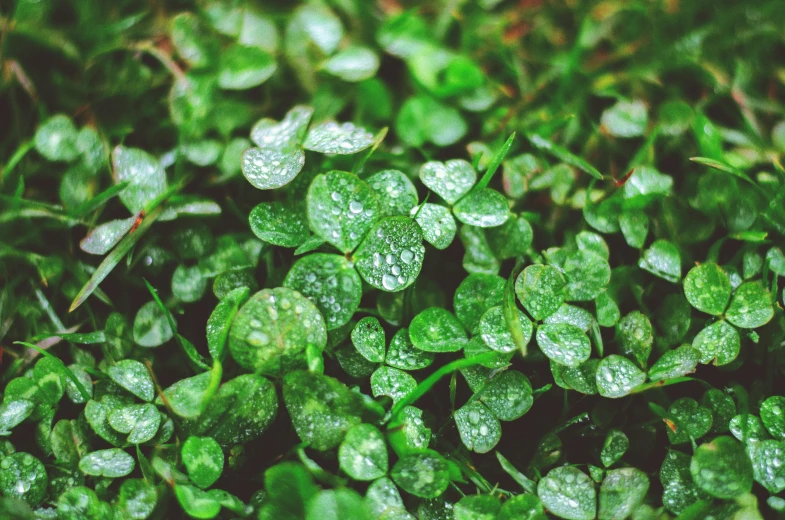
(424,475)
(482,208)
(23,476)
(337,138)
(541,290)
(272,330)
(151,328)
(496,333)
(282,224)
(363,453)
(341,209)
(437,223)
(390,257)
(450,180)
(718,343)
(369,340)
(751,306)
(111,463)
(568,493)
(564,343)
(437,330)
(269,169)
(617,376)
(204,460)
(331,283)
(480,430)
(707,288)
(722,468)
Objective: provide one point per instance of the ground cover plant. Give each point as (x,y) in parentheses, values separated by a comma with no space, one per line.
(346,259)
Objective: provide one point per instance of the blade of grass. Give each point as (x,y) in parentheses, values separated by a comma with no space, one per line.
(186,345)
(64,369)
(564,155)
(495,163)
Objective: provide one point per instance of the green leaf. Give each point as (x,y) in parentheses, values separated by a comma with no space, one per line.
(617,376)
(395,192)
(582,378)
(437,330)
(13,412)
(392,382)
(478,256)
(197,503)
(572,315)
(341,209)
(675,363)
(23,476)
(480,430)
(404,355)
(220,321)
(437,224)
(568,493)
(137,499)
(337,138)
(363,453)
(193,41)
(772,413)
(748,428)
(188,284)
(410,434)
(750,306)
(369,340)
(355,63)
(636,336)
(625,119)
(693,421)
(111,463)
(268,169)
(718,343)
(287,134)
(496,334)
(272,330)
(424,475)
(81,502)
(450,180)
(586,273)
(564,343)
(322,409)
(134,377)
(522,507)
(476,294)
(383,497)
(151,326)
(662,259)
(477,507)
(615,446)
(622,492)
(337,504)
(186,396)
(331,283)
(243,67)
(507,395)
(721,468)
(240,411)
(391,255)
(423,119)
(139,421)
(634,226)
(56,139)
(767,466)
(541,290)
(103,238)
(144,174)
(482,208)
(564,155)
(707,288)
(511,239)
(282,224)
(203,459)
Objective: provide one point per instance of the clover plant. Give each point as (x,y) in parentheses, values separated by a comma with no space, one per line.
(340,259)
